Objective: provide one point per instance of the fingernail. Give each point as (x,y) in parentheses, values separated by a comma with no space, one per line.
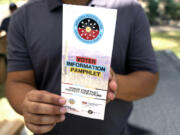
(63,110)
(111,96)
(63,117)
(62,101)
(113,85)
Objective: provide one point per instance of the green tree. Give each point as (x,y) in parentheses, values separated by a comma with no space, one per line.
(153,10)
(172,9)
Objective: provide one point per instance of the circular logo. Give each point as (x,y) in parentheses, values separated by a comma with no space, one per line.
(71,101)
(90,111)
(88,28)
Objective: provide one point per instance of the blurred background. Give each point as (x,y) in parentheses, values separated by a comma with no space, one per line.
(155,115)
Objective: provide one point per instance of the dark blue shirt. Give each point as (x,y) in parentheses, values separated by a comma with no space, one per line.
(35,43)
(5,24)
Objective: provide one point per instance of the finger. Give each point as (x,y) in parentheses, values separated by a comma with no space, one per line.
(39,129)
(45,97)
(62,118)
(41,108)
(110,77)
(43,119)
(111,74)
(111,95)
(113,85)
(107,101)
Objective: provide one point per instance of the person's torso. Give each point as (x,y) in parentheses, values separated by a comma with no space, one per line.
(44,41)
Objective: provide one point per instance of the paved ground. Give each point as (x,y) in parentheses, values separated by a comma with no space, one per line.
(165,28)
(160,113)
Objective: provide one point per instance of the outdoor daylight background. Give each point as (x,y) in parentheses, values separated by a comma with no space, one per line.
(155,115)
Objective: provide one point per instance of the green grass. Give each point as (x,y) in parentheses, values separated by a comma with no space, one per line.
(8,1)
(167,41)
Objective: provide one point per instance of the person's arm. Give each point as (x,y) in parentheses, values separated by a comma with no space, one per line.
(134,86)
(18,84)
(141,65)
(41,110)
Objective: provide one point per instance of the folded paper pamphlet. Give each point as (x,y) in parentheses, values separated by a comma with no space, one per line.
(88,37)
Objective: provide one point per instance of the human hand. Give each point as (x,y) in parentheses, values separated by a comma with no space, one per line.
(42,110)
(112,87)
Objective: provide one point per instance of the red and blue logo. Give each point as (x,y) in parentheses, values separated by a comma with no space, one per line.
(88,28)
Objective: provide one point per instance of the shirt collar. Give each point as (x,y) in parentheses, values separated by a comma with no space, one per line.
(100,3)
(53,4)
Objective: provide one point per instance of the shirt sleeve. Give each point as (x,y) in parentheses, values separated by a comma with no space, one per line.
(4,25)
(18,55)
(141,56)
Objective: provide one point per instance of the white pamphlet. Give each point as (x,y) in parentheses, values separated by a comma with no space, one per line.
(88,37)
